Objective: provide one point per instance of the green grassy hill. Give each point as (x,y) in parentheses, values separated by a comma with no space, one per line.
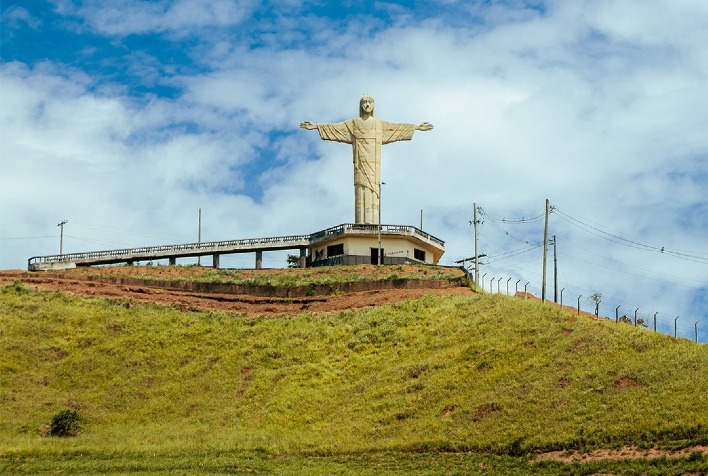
(486,373)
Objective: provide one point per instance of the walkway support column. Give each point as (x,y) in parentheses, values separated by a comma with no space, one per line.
(259,259)
(302,262)
(173,261)
(215,261)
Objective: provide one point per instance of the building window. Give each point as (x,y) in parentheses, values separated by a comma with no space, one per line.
(335,250)
(419,254)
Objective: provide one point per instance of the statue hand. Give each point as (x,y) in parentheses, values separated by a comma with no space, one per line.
(425,126)
(308,125)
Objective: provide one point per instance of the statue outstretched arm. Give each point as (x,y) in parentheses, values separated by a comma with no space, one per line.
(308,125)
(425,126)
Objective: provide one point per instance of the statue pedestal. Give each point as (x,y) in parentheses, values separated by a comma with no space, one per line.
(359,244)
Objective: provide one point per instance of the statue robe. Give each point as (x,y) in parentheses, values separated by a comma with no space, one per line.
(366,137)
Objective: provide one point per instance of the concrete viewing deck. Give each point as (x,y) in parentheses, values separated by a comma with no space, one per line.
(217,248)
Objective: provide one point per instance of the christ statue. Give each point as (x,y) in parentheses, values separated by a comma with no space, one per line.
(366,134)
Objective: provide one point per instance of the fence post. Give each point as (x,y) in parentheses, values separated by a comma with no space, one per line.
(617,314)
(695,327)
(635,317)
(526,295)
(675,326)
(516,289)
(491,283)
(561,303)
(482,278)
(579,304)
(498,281)
(507,286)
(655,320)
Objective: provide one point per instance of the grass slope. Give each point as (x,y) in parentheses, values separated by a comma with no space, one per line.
(488,373)
(273,277)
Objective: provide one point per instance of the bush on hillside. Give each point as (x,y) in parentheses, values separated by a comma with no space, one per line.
(66,423)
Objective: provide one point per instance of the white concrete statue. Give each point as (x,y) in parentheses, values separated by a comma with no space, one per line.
(366,134)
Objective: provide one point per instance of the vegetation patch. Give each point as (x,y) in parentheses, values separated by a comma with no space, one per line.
(67,422)
(436,384)
(269,277)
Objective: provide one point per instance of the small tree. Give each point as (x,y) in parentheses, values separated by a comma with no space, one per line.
(293,261)
(596,298)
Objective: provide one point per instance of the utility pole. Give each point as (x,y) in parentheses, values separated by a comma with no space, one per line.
(476,252)
(555,271)
(61,237)
(378,258)
(199,237)
(545,252)
(421,217)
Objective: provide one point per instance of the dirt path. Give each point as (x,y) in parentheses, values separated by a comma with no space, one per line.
(626,453)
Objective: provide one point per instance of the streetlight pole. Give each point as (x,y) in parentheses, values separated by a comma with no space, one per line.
(378,259)
(199,237)
(61,237)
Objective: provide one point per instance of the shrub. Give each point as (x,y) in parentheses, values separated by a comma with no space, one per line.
(66,423)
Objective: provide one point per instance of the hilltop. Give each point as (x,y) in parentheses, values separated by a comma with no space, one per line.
(266,291)
(448,379)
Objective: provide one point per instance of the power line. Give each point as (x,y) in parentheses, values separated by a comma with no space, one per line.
(644,272)
(28,237)
(533,217)
(506,262)
(87,240)
(20,225)
(497,227)
(632,243)
(512,253)
(126,231)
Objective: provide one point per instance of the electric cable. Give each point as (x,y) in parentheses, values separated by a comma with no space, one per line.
(632,243)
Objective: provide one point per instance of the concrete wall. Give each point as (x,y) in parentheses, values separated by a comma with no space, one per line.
(357,250)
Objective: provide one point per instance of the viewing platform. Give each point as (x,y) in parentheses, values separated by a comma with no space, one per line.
(319,245)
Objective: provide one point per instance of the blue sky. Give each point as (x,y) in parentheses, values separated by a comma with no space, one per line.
(126,117)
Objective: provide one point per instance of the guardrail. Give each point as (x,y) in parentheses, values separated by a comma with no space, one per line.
(221,247)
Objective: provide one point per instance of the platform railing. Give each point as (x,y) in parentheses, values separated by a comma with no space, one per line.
(227,246)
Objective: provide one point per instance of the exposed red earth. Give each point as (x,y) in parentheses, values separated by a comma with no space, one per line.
(106,282)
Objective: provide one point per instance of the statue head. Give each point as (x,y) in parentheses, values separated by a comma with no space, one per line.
(366,106)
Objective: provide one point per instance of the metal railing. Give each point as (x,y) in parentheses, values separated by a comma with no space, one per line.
(225,247)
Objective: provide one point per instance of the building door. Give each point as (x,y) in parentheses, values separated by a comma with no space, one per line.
(374,252)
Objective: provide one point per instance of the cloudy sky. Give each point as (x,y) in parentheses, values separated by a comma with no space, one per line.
(125,117)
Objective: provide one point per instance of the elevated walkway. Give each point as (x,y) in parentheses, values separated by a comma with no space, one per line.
(218,248)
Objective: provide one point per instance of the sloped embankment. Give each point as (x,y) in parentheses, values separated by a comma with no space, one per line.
(483,373)
(250,291)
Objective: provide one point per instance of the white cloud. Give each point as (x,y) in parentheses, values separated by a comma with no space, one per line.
(13,17)
(582,104)
(178,17)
